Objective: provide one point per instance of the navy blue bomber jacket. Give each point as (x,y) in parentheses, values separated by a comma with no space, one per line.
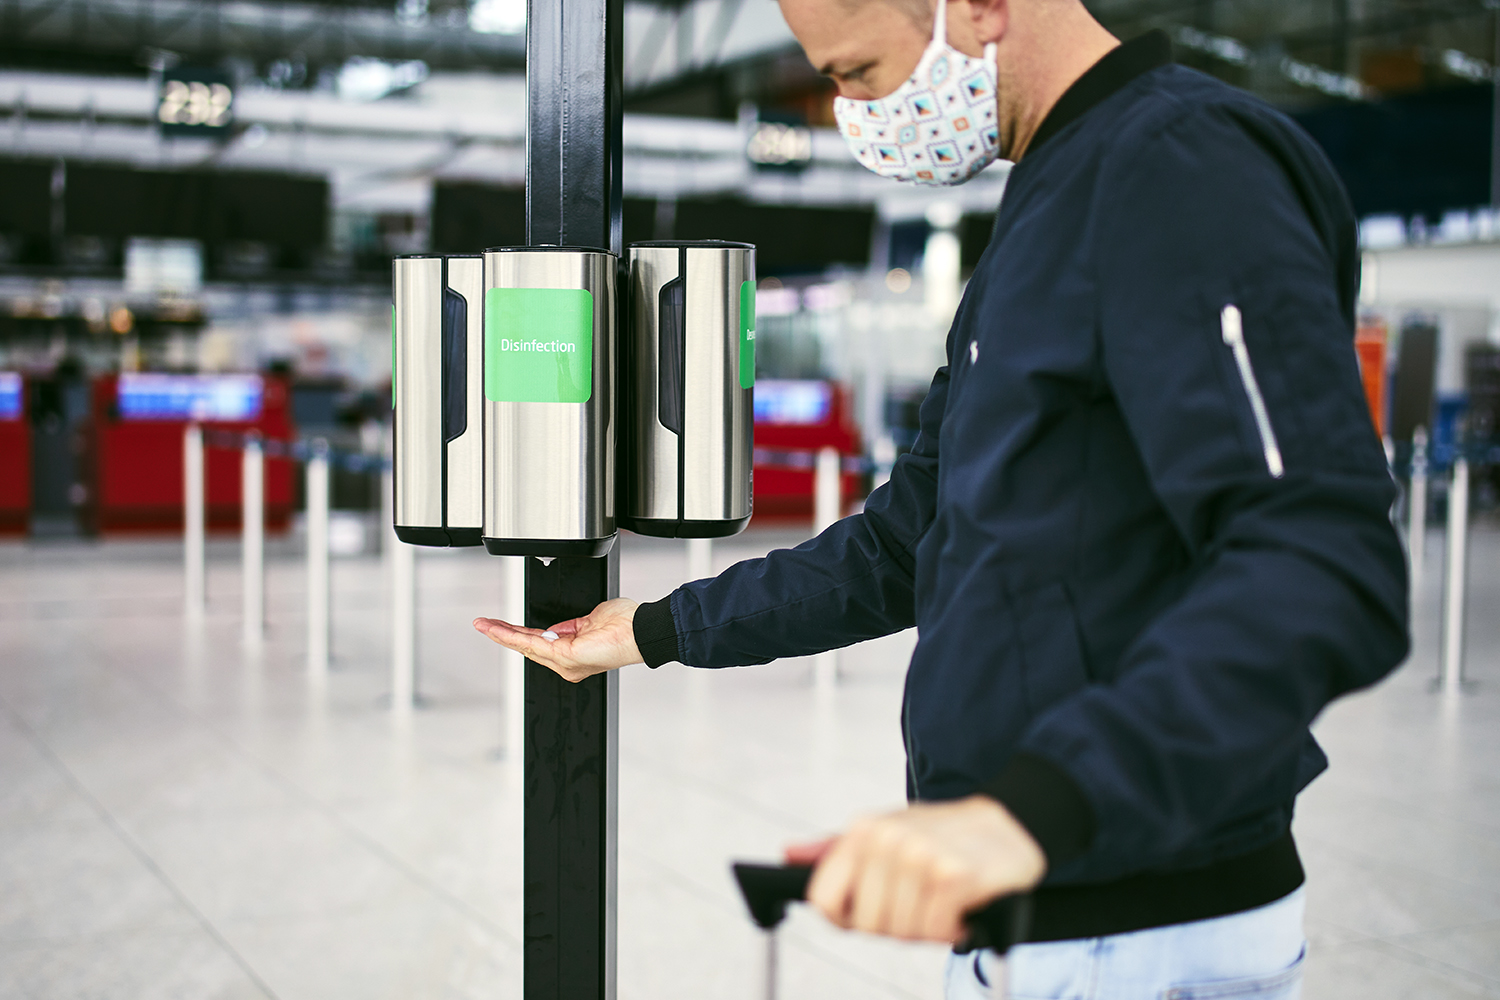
(1144,532)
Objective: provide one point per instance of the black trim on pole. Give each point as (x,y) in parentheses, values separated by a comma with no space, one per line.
(575,111)
(570,765)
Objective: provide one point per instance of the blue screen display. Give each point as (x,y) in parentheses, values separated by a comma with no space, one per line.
(152,396)
(792,401)
(10,396)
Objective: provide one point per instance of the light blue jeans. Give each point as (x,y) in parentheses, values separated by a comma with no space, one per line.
(1256,954)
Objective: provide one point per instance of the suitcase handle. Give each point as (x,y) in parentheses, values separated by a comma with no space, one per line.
(768,889)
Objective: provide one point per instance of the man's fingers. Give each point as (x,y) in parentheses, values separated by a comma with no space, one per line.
(809,854)
(527,642)
(486,624)
(939,922)
(907,895)
(948,899)
(570,627)
(832,881)
(870,902)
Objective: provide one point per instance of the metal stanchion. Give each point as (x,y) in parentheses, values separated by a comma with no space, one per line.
(403,626)
(253,538)
(1416,502)
(195,571)
(700,555)
(317,561)
(513,663)
(827,508)
(1455,581)
(387,532)
(883,458)
(402,562)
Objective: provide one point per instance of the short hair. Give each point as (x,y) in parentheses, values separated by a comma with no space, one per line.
(921,12)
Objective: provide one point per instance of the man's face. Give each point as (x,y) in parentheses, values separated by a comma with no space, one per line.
(868,50)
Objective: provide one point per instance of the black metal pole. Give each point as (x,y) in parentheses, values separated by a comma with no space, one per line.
(574,94)
(570,798)
(1495,112)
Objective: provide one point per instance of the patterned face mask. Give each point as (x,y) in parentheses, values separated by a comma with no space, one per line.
(938,127)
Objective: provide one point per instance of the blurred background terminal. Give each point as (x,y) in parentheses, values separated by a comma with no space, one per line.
(208,187)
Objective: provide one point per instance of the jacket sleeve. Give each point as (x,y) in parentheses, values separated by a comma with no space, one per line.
(1299,593)
(850,583)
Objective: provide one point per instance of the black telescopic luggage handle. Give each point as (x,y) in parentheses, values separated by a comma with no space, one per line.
(768,889)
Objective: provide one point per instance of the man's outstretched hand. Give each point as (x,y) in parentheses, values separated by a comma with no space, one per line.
(916,873)
(601,640)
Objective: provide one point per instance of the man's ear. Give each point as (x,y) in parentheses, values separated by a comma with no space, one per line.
(988,19)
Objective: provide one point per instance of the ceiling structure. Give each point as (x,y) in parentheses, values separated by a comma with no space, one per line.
(1296,53)
(78,78)
(137,35)
(710,55)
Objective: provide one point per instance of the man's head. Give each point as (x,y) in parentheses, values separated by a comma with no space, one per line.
(870,47)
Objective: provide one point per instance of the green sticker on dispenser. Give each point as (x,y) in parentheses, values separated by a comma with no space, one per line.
(747,335)
(538,345)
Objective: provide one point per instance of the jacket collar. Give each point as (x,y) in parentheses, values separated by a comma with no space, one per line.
(1114,71)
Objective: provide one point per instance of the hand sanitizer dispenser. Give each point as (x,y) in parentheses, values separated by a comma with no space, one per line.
(688,369)
(436,383)
(549,401)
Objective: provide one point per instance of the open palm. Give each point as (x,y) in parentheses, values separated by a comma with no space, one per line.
(601,640)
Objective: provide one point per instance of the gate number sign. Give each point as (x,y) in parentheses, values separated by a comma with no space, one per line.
(195,102)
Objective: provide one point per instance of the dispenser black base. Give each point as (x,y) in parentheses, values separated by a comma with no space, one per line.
(440,538)
(590,548)
(668,527)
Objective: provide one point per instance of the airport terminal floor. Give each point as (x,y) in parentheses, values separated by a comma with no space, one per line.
(182,818)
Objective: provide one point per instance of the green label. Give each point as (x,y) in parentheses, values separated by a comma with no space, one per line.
(747,335)
(538,345)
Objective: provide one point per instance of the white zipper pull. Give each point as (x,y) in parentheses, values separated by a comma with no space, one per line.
(1234,335)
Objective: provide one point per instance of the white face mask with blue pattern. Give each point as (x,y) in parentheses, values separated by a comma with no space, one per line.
(939,127)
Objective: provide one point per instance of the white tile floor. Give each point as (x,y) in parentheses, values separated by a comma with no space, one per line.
(179,818)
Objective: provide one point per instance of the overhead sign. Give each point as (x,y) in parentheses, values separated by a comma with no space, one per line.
(780,146)
(195,102)
(156,266)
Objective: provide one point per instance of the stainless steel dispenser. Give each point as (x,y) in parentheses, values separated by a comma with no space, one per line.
(436,380)
(689,373)
(549,401)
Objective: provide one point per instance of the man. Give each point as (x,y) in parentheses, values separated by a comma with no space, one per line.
(1143,533)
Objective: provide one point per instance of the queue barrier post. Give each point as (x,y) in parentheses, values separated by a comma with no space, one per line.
(318,587)
(402,561)
(1416,503)
(827,509)
(514,664)
(403,626)
(700,558)
(253,538)
(195,570)
(1455,581)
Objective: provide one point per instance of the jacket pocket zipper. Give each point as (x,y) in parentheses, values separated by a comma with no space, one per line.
(1233,327)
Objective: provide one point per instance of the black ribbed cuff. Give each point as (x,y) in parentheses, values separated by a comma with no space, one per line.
(656,632)
(1048,803)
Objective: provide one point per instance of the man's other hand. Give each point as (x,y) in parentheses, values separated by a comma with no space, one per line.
(914,874)
(601,640)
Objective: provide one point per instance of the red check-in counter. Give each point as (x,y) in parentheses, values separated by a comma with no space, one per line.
(139,420)
(794,420)
(15,455)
